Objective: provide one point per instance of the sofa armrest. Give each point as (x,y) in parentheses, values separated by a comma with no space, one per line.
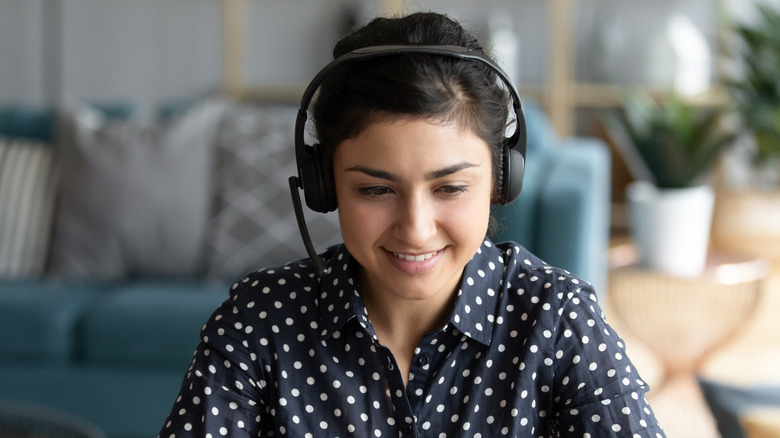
(574,205)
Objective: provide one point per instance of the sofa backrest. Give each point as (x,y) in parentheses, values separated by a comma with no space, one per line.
(27,122)
(38,123)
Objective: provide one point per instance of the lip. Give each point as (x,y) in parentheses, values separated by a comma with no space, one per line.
(415,263)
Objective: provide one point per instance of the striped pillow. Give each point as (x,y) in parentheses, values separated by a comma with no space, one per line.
(28,186)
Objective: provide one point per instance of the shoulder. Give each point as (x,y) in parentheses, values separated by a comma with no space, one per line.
(276,285)
(532,283)
(293,281)
(266,304)
(278,279)
(521,264)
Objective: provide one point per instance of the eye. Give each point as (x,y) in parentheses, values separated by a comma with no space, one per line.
(375,191)
(453,189)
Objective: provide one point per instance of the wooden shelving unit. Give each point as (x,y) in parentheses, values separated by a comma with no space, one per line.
(233,46)
(562,95)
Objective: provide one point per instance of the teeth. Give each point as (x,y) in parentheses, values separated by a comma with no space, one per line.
(413,258)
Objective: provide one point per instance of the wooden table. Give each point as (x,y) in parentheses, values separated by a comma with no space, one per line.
(683,320)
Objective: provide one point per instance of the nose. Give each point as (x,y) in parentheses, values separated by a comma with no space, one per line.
(415,221)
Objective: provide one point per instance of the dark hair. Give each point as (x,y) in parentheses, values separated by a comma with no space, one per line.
(416,86)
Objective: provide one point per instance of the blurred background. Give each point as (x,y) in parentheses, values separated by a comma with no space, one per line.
(579,60)
(157,50)
(572,56)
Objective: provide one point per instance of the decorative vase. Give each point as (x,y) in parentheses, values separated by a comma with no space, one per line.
(671,227)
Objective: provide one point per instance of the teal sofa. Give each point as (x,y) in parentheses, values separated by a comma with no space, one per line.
(113,350)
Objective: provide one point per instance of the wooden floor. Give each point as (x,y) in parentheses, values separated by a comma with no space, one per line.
(750,357)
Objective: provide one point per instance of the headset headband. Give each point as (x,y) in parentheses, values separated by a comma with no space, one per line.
(453,51)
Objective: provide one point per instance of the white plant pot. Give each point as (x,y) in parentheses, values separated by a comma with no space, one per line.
(671,227)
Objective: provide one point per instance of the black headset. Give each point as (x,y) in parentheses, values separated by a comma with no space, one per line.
(315,169)
(315,173)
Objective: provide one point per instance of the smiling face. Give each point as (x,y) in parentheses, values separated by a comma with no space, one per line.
(414,205)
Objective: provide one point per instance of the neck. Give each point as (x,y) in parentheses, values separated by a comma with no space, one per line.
(407,320)
(403,322)
(400,321)
(400,326)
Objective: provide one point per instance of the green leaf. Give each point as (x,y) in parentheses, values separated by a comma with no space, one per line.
(672,143)
(757,91)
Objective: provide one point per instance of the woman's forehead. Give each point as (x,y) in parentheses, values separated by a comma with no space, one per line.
(412,140)
(445,121)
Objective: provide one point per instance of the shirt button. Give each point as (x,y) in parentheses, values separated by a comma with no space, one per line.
(406,428)
(422,361)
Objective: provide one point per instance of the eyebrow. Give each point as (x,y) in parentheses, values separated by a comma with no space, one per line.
(436,174)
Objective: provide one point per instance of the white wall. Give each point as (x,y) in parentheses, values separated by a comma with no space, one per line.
(290,40)
(21,51)
(148,51)
(145,50)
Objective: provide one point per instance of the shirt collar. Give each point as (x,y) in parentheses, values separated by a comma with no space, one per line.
(475,309)
(339,300)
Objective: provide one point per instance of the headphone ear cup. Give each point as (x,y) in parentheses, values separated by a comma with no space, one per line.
(510,178)
(327,183)
(317,181)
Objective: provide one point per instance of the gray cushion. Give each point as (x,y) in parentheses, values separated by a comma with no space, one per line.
(253,224)
(135,194)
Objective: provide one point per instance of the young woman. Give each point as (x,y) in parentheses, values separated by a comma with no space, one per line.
(418,325)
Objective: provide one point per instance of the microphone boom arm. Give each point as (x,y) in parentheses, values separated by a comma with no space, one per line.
(319,265)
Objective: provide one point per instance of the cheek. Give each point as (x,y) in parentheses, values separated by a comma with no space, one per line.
(360,224)
(469,220)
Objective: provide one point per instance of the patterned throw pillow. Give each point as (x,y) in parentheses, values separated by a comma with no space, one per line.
(135,193)
(253,224)
(28,186)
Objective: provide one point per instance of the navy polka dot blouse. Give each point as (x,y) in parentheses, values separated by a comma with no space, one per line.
(526,353)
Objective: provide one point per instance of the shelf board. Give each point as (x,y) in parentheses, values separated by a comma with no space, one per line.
(589,95)
(585,95)
(283,92)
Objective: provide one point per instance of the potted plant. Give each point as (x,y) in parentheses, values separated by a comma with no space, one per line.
(755,88)
(748,205)
(669,147)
